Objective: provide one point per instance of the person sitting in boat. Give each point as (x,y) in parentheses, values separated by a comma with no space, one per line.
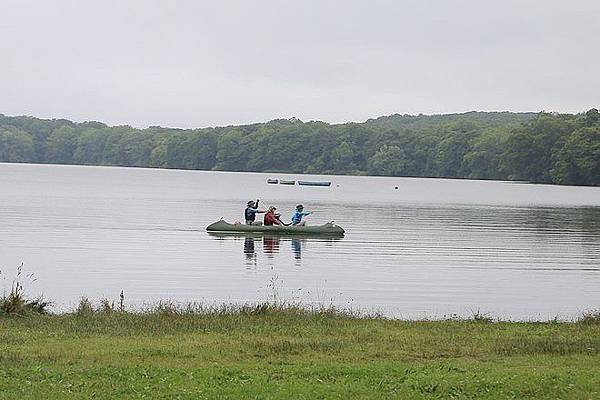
(251,211)
(272,217)
(297,217)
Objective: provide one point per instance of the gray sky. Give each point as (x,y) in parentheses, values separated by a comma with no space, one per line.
(201,63)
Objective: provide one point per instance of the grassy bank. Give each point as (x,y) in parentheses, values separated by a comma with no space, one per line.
(267,352)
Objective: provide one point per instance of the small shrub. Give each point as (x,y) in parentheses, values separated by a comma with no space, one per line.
(478,316)
(16,303)
(590,317)
(106,306)
(168,307)
(85,307)
(39,305)
(256,309)
(13,304)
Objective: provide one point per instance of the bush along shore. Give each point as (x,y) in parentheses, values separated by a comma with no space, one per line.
(274,350)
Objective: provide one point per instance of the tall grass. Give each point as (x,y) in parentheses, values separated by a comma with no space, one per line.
(591,317)
(16,302)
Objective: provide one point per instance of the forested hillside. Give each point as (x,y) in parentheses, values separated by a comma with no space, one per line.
(550,148)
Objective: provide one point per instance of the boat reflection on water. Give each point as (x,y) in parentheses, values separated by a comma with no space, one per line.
(249,250)
(271,244)
(297,248)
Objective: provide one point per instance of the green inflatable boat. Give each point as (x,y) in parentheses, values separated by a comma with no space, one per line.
(328,229)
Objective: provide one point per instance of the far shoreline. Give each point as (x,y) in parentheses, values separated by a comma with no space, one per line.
(291,174)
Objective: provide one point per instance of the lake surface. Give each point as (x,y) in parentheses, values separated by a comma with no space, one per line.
(431,248)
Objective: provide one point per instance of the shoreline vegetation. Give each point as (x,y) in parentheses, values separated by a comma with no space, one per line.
(533,147)
(278,350)
(268,351)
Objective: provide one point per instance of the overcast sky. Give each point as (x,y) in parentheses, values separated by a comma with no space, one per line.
(205,63)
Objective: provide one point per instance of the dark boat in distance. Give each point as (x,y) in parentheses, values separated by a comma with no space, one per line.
(275,181)
(328,229)
(314,183)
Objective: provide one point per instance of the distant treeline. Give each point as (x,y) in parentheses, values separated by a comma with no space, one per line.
(544,147)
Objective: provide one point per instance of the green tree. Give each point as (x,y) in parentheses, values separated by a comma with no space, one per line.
(90,147)
(579,159)
(531,148)
(16,145)
(62,144)
(158,156)
(484,158)
(388,160)
(201,151)
(232,151)
(592,117)
(450,154)
(342,158)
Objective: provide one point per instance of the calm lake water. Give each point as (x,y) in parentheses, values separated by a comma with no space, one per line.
(431,248)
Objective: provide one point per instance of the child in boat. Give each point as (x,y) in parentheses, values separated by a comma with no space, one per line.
(272,217)
(251,211)
(297,217)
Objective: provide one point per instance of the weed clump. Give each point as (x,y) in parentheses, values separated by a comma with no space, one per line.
(591,317)
(16,302)
(478,316)
(84,308)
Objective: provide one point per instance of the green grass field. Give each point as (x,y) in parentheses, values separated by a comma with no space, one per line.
(290,353)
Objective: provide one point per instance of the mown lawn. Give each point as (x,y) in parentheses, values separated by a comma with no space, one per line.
(289,353)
